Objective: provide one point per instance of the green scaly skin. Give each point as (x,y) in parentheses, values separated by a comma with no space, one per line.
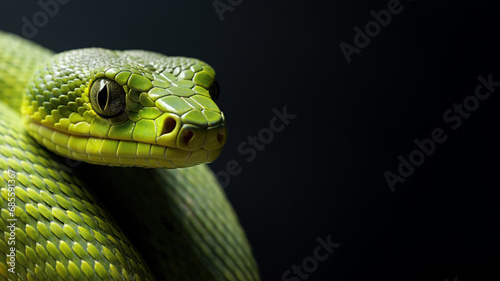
(179,219)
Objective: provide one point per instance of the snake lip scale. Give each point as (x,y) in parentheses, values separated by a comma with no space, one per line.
(148,156)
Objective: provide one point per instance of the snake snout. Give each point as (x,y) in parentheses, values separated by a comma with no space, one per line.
(192,137)
(216,137)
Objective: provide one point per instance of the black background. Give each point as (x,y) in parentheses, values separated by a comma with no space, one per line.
(323,174)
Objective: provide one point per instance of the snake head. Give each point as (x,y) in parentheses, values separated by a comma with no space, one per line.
(126,108)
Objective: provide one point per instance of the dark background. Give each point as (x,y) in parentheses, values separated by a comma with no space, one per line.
(323,174)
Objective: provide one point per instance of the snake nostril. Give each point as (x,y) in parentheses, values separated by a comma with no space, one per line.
(169,125)
(221,135)
(188,135)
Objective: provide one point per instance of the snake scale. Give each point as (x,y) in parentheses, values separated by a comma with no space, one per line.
(66,218)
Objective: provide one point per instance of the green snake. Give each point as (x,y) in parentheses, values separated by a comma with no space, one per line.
(124,111)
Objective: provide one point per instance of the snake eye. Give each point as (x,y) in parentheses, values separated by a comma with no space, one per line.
(214,90)
(107,98)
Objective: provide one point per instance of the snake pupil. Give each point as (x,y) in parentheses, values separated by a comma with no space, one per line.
(102,97)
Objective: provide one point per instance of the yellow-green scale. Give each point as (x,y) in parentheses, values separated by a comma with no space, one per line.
(61,233)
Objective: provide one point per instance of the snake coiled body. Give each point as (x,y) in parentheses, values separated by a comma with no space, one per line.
(173,224)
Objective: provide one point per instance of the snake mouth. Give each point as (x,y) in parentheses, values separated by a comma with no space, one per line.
(126,153)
